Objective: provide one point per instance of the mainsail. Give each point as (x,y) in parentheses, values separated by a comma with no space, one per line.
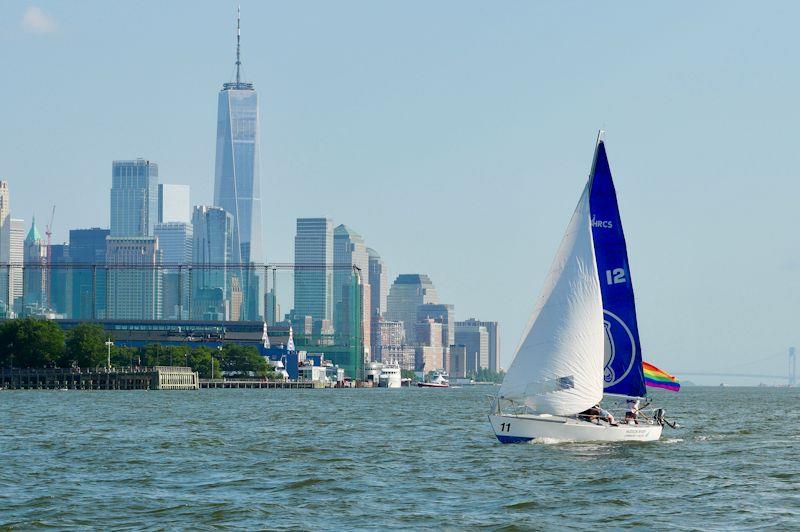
(557,368)
(622,364)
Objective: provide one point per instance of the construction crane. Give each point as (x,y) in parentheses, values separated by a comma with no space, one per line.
(48,231)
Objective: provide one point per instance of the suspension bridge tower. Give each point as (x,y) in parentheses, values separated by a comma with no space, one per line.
(792,367)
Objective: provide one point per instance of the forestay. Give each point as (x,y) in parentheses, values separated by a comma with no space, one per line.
(557,368)
(622,364)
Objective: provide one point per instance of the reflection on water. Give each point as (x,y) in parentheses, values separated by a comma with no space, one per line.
(384,458)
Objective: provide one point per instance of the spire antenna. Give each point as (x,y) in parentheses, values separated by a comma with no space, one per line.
(237,83)
(238,42)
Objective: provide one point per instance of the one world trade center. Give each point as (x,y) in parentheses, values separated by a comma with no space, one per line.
(237,183)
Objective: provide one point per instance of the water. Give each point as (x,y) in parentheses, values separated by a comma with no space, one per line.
(410,458)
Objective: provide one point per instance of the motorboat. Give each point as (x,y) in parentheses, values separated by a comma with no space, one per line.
(438,380)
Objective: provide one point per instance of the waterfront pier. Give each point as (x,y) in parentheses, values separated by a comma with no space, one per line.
(124,378)
(253,383)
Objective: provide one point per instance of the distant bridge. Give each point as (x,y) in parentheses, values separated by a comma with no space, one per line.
(714,374)
(790,377)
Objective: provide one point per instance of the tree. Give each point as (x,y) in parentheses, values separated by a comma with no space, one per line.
(408,374)
(30,343)
(152,355)
(487,375)
(245,361)
(125,356)
(200,361)
(85,347)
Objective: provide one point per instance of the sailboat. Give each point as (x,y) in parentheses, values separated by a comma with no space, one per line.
(582,339)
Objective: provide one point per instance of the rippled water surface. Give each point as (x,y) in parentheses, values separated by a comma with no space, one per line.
(364,458)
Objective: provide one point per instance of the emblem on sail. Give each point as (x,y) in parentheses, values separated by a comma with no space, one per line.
(620,350)
(608,358)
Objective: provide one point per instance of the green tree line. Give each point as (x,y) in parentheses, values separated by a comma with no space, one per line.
(487,375)
(35,343)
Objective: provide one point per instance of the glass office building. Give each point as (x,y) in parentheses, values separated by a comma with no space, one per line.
(237,183)
(409,291)
(133,277)
(87,255)
(379,283)
(237,186)
(211,257)
(134,198)
(175,244)
(313,276)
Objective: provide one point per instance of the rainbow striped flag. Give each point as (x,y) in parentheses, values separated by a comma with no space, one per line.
(657,378)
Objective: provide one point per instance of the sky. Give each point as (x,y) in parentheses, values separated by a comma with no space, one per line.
(456,137)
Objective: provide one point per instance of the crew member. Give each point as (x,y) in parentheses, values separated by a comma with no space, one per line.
(632,411)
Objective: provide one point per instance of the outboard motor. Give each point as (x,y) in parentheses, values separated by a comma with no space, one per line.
(658,417)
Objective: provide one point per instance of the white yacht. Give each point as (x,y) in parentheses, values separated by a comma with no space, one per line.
(390,376)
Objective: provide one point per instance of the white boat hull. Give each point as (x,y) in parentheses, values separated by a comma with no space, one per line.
(521,428)
(389,382)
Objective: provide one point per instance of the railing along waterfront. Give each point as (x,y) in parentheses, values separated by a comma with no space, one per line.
(115,378)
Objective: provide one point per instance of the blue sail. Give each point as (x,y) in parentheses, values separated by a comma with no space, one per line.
(622,371)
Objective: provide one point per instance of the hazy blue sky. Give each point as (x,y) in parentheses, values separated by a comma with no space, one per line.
(455,136)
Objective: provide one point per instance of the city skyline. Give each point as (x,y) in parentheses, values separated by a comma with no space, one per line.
(533,152)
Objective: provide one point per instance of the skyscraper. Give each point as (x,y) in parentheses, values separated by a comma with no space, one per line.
(351,332)
(237,183)
(35,272)
(409,291)
(134,283)
(134,198)
(212,250)
(349,253)
(60,281)
(379,283)
(175,243)
(313,278)
(17,254)
(493,360)
(5,206)
(174,204)
(87,255)
(441,313)
(5,250)
(429,332)
(476,340)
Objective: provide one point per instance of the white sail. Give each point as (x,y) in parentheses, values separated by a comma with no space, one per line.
(558,367)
